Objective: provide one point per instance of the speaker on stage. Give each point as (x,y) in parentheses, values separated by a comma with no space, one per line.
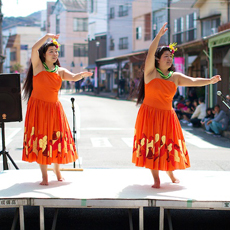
(10,98)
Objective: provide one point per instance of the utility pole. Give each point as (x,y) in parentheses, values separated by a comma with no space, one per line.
(169,1)
(1,56)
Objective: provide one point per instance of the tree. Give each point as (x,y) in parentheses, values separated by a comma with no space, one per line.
(16,68)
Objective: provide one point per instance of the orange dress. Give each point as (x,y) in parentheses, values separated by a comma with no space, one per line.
(47,135)
(158,140)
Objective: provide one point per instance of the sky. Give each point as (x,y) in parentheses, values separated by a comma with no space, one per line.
(17,8)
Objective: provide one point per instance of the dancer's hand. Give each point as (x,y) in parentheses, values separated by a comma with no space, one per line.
(56,36)
(163,30)
(86,74)
(215,79)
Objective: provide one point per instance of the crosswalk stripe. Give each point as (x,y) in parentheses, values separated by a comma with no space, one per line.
(197,141)
(9,135)
(100,142)
(128,141)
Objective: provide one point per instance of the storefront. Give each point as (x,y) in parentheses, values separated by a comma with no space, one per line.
(219,57)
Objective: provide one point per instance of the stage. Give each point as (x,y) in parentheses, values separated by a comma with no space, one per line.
(114,188)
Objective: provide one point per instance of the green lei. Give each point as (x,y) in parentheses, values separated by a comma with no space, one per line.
(164,76)
(50,70)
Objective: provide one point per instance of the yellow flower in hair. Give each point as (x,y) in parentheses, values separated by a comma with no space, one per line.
(172,47)
(55,42)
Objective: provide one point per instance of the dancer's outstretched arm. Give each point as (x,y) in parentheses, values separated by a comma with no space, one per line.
(183,80)
(69,76)
(150,59)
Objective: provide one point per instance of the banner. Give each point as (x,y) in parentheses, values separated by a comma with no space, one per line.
(179,64)
(95,78)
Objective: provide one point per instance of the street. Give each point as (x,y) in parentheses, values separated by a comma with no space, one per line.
(105,130)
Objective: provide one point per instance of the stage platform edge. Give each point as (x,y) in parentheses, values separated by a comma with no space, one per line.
(115,188)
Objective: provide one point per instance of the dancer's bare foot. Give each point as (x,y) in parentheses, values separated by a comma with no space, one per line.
(156,183)
(172,177)
(44,175)
(58,173)
(44,182)
(156,178)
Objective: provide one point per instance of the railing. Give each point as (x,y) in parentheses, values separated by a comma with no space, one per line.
(123,46)
(185,36)
(111,15)
(224,27)
(122,13)
(111,47)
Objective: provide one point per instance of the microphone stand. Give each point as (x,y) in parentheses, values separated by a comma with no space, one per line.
(224,102)
(74,132)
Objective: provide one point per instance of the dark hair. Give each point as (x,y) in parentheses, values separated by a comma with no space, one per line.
(201,99)
(141,87)
(209,109)
(28,84)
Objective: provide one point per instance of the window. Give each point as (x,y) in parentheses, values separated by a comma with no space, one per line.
(178,30)
(123,10)
(191,27)
(123,43)
(80,50)
(147,27)
(62,51)
(159,22)
(80,24)
(138,33)
(112,13)
(112,45)
(210,26)
(57,24)
(13,56)
(91,6)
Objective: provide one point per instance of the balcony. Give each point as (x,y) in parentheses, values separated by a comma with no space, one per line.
(111,15)
(123,46)
(111,47)
(223,27)
(123,13)
(185,36)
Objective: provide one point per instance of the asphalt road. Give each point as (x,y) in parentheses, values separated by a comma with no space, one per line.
(104,139)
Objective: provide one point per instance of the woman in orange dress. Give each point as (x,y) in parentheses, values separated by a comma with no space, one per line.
(158,140)
(47,135)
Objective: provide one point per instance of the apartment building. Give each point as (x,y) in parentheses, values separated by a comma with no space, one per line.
(69,18)
(17,43)
(201,29)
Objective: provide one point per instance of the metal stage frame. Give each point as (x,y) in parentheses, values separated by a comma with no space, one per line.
(114,188)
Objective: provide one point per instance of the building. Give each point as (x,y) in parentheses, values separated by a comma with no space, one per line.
(97,40)
(69,18)
(203,43)
(17,43)
(45,18)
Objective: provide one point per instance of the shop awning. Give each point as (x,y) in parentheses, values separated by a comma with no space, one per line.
(91,66)
(109,66)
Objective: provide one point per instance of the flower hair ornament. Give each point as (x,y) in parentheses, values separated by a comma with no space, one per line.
(172,47)
(55,42)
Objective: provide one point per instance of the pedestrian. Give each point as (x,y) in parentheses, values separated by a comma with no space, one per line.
(158,141)
(47,135)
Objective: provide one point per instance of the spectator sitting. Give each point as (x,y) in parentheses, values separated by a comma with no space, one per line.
(199,114)
(209,116)
(187,111)
(176,98)
(179,105)
(218,123)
